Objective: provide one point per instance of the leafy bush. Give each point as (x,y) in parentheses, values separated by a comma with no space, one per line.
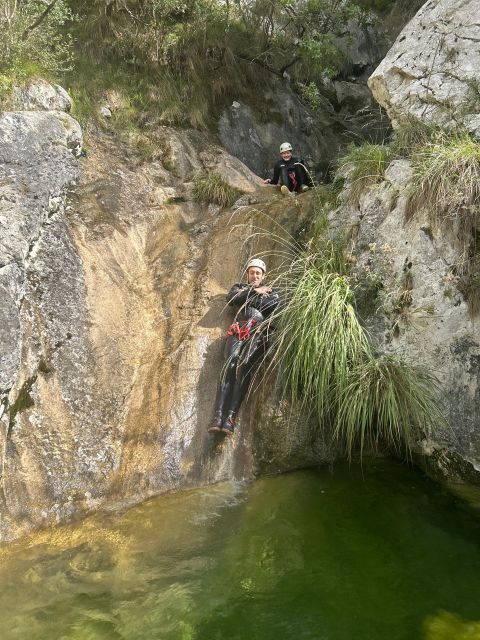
(364,165)
(212,188)
(33,31)
(199,55)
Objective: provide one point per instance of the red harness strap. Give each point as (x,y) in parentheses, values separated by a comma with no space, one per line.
(293,178)
(242,333)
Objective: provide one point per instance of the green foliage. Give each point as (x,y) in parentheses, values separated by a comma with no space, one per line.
(311,95)
(329,368)
(446,178)
(212,188)
(385,402)
(200,54)
(412,134)
(364,165)
(33,30)
(319,335)
(185,59)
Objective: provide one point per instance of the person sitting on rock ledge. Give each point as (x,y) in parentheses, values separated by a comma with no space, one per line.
(290,174)
(245,345)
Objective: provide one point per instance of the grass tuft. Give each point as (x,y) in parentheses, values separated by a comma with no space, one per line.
(387,402)
(329,369)
(212,188)
(412,134)
(364,165)
(446,178)
(319,334)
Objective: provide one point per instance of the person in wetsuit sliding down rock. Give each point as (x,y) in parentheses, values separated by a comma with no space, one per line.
(290,173)
(246,344)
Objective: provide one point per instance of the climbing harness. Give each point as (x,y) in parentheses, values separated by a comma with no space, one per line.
(242,333)
(293,180)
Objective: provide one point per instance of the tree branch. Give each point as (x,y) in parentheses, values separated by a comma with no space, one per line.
(39,19)
(264,65)
(287,66)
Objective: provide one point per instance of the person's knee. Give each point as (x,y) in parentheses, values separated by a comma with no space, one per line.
(230,365)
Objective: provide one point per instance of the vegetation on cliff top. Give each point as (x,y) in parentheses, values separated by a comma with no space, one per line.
(176,61)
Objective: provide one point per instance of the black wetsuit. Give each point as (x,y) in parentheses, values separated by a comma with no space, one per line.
(283,170)
(246,344)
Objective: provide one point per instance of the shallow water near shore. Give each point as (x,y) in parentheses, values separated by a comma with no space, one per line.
(323,555)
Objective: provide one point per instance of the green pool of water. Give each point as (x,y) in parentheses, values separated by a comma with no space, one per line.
(317,555)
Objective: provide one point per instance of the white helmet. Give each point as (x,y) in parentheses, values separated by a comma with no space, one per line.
(285,146)
(256,262)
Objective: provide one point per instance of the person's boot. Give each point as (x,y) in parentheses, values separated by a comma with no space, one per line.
(284,189)
(216,424)
(228,426)
(304,188)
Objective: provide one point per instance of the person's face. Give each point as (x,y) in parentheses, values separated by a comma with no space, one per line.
(255,276)
(286,155)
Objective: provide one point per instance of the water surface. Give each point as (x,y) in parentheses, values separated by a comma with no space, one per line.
(312,555)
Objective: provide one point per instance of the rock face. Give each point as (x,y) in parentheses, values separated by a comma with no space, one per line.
(432,71)
(410,299)
(255,138)
(112,320)
(39,95)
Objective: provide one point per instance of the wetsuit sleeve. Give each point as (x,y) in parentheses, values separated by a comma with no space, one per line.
(267,304)
(276,173)
(238,295)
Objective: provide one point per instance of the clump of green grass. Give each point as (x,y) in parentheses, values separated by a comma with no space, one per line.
(329,367)
(364,165)
(412,134)
(387,402)
(446,179)
(212,188)
(319,333)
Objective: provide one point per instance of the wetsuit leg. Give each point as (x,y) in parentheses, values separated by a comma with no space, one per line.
(284,178)
(233,347)
(252,350)
(301,176)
